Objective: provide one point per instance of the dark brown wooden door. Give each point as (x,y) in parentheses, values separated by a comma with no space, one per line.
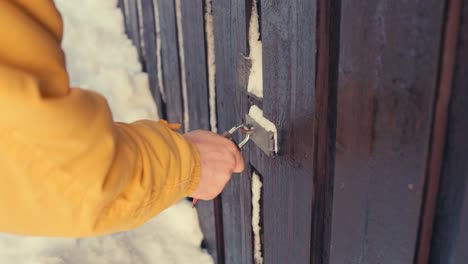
(369,99)
(288,87)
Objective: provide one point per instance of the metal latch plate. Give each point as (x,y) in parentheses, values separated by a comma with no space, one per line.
(263,138)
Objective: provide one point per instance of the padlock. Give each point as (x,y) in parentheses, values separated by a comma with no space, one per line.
(244,129)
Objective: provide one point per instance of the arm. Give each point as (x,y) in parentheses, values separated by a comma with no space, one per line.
(67,169)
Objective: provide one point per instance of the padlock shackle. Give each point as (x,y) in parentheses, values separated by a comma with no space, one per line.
(234,129)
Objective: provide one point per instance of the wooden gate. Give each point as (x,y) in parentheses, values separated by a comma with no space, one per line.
(369,99)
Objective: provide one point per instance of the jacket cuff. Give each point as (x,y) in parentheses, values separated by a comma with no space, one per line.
(196,171)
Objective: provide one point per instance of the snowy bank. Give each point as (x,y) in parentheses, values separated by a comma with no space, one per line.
(100,57)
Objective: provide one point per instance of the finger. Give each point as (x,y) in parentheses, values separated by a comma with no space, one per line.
(240,164)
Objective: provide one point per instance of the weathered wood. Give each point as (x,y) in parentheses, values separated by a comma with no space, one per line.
(328,32)
(439,127)
(245,195)
(388,70)
(378,70)
(450,235)
(196,71)
(170,61)
(198,100)
(230,48)
(288,80)
(149,40)
(206,216)
(132,28)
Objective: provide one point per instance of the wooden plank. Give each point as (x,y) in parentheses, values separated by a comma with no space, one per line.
(328,33)
(245,195)
(195,63)
(198,100)
(243,14)
(450,235)
(132,27)
(438,138)
(170,61)
(288,81)
(230,48)
(388,66)
(149,40)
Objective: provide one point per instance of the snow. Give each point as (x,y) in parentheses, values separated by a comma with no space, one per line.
(101,58)
(168,238)
(255,84)
(257,114)
(209,34)
(256,194)
(180,38)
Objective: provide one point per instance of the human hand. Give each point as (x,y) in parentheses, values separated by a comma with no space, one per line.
(219,158)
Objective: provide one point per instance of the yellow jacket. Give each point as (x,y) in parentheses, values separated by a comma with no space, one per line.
(66,169)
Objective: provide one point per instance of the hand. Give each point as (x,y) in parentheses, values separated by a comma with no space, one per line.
(219,158)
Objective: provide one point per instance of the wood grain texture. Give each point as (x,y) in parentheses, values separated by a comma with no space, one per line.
(288,81)
(196,70)
(149,39)
(132,27)
(356,90)
(450,235)
(170,61)
(198,105)
(328,32)
(388,71)
(439,127)
(229,17)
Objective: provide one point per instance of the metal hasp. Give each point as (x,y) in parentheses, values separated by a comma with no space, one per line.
(263,138)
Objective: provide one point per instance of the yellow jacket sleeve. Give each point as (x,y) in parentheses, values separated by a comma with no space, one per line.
(66,169)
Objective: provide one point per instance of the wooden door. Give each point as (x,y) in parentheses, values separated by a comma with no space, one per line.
(369,99)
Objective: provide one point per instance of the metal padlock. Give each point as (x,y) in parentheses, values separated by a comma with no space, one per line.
(244,129)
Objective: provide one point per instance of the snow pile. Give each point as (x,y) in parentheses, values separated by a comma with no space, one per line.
(255,84)
(256,195)
(210,49)
(100,57)
(170,239)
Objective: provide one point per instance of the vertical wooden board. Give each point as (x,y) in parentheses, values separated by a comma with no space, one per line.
(228,113)
(450,235)
(170,61)
(245,180)
(132,27)
(149,40)
(388,63)
(288,38)
(206,216)
(198,103)
(196,71)
(328,32)
(447,63)
(242,15)
(230,48)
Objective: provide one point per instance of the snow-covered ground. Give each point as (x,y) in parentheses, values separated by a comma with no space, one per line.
(101,58)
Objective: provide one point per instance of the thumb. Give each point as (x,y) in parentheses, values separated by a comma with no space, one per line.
(240,164)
